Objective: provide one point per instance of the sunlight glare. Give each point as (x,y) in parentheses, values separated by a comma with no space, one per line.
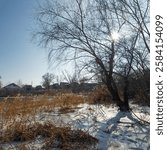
(115,36)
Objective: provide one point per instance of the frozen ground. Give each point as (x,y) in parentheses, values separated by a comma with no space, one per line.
(115,130)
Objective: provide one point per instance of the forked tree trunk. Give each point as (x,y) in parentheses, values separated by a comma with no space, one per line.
(122,104)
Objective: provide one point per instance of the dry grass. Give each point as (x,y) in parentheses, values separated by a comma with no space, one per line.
(18,121)
(55,137)
(24,106)
(65,110)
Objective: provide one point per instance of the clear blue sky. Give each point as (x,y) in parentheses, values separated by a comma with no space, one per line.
(20,58)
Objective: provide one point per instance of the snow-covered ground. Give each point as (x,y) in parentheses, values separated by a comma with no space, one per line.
(114,130)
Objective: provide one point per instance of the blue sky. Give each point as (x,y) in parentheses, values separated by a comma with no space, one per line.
(20,58)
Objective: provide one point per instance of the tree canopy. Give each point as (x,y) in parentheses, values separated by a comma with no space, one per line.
(82,30)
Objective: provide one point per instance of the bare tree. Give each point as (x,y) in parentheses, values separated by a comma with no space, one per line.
(47,80)
(82,31)
(136,14)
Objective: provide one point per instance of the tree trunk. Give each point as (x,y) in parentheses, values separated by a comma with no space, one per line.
(125,94)
(123,105)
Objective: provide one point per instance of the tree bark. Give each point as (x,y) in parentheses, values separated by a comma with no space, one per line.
(125,94)
(122,104)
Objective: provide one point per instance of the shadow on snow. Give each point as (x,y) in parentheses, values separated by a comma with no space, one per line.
(123,132)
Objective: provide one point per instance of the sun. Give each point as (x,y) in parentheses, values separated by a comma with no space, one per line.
(115,36)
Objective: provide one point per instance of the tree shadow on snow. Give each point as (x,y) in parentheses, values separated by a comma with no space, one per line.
(122,132)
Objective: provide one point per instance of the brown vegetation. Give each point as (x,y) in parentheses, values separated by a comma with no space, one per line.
(100,95)
(18,122)
(31,105)
(65,137)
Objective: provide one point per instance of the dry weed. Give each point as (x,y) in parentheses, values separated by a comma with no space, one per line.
(57,137)
(11,108)
(18,121)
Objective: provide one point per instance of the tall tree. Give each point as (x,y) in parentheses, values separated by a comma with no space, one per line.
(84,31)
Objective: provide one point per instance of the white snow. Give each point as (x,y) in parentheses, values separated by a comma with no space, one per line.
(115,130)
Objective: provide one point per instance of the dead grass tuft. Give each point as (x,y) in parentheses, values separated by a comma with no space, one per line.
(65,110)
(57,137)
